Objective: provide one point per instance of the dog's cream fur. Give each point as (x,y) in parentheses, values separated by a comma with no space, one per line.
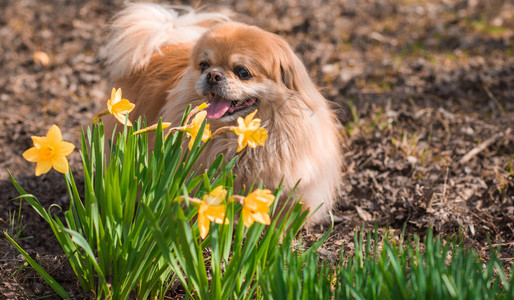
(154,53)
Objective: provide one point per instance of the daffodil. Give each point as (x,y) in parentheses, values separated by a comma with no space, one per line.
(49,151)
(119,107)
(212,210)
(256,207)
(250,132)
(192,129)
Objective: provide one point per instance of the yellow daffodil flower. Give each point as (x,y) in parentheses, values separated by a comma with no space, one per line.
(193,129)
(49,151)
(119,107)
(212,210)
(256,207)
(250,132)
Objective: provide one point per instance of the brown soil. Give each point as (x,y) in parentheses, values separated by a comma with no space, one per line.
(421,86)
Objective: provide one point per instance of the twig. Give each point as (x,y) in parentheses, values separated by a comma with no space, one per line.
(492,97)
(503,244)
(499,244)
(445,180)
(474,152)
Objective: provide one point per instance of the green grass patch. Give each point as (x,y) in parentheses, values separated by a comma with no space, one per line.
(383,268)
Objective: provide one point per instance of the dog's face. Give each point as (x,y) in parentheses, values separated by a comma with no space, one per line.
(241,68)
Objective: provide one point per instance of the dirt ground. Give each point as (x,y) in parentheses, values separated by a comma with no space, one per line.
(425,90)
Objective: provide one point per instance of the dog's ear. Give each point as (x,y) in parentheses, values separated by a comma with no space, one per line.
(287,66)
(290,71)
(286,75)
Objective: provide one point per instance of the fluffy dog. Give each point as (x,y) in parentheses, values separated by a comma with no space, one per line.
(163,61)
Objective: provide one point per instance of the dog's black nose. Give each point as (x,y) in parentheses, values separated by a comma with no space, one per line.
(214,77)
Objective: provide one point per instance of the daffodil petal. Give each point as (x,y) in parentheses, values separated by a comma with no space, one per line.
(60,164)
(117,97)
(241,124)
(250,116)
(251,204)
(124,106)
(218,220)
(263,136)
(241,141)
(216,196)
(39,141)
(266,200)
(247,217)
(197,121)
(113,94)
(54,136)
(206,133)
(262,206)
(43,166)
(255,124)
(252,143)
(202,114)
(122,118)
(216,214)
(262,218)
(193,128)
(206,136)
(31,154)
(203,226)
(265,196)
(65,148)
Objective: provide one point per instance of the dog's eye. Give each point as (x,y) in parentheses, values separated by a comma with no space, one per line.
(242,73)
(204,66)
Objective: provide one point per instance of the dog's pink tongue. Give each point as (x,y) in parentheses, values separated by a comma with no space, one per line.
(218,107)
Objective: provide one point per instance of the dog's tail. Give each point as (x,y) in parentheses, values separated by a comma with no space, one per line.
(141,29)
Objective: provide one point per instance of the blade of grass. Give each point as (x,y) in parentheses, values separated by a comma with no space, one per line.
(49,279)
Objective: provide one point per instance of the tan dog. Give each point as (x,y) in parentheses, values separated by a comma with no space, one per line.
(164,61)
